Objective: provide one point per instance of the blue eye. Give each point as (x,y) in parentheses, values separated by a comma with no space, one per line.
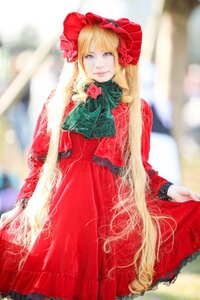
(107,53)
(88,56)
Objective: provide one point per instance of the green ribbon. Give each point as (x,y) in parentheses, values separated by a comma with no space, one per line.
(93,118)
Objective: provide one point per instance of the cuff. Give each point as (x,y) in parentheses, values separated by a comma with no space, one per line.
(162,194)
(22,202)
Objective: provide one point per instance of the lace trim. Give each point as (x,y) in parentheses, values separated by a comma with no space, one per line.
(31,296)
(150,172)
(168,279)
(162,194)
(65,154)
(106,163)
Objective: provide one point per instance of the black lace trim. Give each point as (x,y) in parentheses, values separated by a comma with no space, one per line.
(167,279)
(106,163)
(31,296)
(150,172)
(22,202)
(162,194)
(65,154)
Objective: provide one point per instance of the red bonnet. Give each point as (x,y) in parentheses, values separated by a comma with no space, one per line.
(130,36)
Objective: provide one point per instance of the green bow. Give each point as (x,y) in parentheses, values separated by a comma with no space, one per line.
(93,118)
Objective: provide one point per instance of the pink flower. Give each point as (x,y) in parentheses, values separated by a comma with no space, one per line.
(93,91)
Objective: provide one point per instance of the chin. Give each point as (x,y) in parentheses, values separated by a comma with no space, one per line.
(101,80)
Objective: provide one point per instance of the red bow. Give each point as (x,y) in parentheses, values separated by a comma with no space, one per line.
(130,36)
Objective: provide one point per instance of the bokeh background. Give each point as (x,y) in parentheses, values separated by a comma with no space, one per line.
(30,64)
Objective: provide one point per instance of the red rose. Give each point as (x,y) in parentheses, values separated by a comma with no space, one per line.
(68,48)
(130,35)
(124,58)
(93,91)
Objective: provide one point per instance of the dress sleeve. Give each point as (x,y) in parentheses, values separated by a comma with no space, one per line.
(37,154)
(158,184)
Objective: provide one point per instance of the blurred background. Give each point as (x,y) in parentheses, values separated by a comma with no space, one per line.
(30,64)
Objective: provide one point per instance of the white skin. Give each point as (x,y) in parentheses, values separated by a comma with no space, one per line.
(7,217)
(100,66)
(181,194)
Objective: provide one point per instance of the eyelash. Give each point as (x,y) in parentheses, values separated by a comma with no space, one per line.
(89,56)
(92,56)
(108,53)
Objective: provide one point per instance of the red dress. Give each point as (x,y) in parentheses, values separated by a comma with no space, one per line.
(71,263)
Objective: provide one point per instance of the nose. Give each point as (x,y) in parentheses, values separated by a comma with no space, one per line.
(99,62)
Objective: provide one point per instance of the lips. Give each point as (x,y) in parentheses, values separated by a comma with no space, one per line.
(101,73)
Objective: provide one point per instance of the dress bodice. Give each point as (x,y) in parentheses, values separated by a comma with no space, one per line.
(83,148)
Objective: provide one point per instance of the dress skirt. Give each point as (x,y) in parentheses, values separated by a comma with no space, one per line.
(69,261)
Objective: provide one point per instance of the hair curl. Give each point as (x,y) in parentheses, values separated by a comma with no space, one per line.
(131,204)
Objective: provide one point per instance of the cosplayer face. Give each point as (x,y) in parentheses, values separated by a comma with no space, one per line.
(99,65)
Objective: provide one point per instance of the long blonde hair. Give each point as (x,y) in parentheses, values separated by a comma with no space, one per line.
(135,176)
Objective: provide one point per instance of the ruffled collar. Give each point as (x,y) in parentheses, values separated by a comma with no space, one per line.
(93,118)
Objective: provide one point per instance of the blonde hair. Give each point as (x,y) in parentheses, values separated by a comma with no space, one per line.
(135,176)
(105,40)
(133,204)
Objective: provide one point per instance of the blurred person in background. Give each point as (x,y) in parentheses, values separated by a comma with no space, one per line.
(93,219)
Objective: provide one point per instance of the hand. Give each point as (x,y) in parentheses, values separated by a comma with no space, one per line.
(181,194)
(9,216)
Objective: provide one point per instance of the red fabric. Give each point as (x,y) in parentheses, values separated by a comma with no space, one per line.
(69,262)
(110,148)
(39,149)
(130,36)
(155,181)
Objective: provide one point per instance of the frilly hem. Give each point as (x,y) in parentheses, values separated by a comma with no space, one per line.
(32,286)
(167,280)
(31,296)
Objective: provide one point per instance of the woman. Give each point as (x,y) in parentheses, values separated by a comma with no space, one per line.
(89,223)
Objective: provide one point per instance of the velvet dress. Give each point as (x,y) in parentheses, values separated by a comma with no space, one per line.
(71,262)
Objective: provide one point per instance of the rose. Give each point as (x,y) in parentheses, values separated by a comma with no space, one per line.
(69,49)
(130,36)
(124,58)
(93,91)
